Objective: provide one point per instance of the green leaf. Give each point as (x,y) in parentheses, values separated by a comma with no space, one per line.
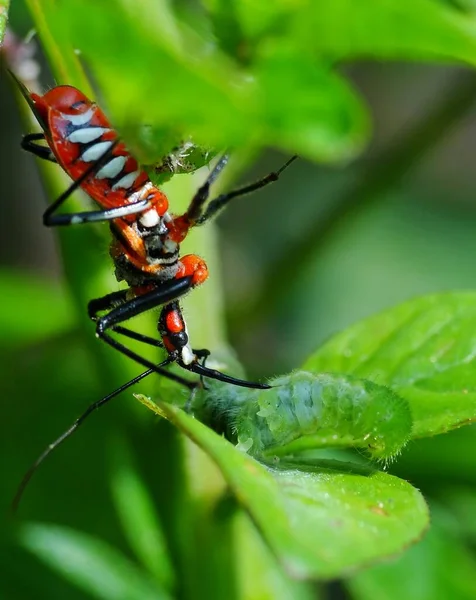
(89,563)
(345,29)
(437,568)
(272,85)
(308,109)
(304,411)
(4,5)
(256,20)
(139,519)
(186,86)
(184,156)
(44,308)
(424,350)
(259,576)
(396,29)
(467,5)
(319,522)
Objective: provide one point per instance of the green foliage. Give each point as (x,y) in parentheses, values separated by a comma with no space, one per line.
(90,563)
(423,350)
(51,301)
(4,4)
(422,573)
(140,524)
(359,515)
(234,74)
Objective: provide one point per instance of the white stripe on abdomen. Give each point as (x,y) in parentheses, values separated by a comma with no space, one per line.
(95,152)
(112,168)
(86,135)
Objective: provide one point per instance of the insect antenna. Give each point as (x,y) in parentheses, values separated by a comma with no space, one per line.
(25,92)
(79,421)
(218,203)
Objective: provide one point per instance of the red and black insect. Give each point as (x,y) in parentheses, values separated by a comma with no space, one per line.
(146,237)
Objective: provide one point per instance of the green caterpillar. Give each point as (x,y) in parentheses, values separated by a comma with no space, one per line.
(305,411)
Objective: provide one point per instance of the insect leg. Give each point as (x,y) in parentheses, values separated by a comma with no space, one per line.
(195,208)
(218,203)
(200,369)
(200,353)
(50,219)
(113,300)
(139,337)
(43,152)
(119,313)
(121,308)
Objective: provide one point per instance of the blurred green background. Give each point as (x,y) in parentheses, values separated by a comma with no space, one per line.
(376,242)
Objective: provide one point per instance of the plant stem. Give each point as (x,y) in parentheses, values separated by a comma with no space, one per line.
(4,4)
(63,61)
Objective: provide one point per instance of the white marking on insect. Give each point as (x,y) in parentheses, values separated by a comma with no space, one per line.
(142,193)
(126,181)
(96,152)
(188,357)
(112,168)
(80,119)
(150,218)
(75,220)
(86,135)
(187,354)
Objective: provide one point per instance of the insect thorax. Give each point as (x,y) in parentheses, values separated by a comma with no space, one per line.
(146,255)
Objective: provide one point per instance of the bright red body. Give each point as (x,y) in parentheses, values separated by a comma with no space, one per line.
(78,134)
(60,104)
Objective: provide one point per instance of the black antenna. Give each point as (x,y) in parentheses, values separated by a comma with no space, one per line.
(95,405)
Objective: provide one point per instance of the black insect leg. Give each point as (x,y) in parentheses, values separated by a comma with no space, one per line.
(202,354)
(40,151)
(121,309)
(50,219)
(196,205)
(146,339)
(200,369)
(218,203)
(138,337)
(197,368)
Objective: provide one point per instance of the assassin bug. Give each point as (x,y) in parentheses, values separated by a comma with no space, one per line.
(146,237)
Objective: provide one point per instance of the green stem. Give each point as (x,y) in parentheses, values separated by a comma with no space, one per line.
(204,309)
(4,5)
(62,59)
(375,179)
